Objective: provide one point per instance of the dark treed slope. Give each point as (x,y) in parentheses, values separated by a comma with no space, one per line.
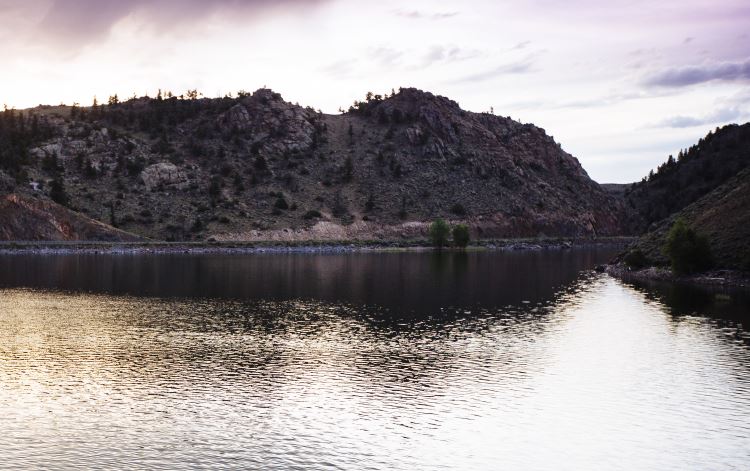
(694,173)
(256,167)
(723,216)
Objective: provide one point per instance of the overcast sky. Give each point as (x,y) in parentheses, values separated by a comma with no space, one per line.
(620,84)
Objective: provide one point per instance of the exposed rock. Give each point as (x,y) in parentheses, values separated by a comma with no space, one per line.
(237,117)
(27,219)
(163,173)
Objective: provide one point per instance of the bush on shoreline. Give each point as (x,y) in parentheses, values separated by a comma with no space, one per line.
(439,231)
(688,251)
(636,259)
(461,235)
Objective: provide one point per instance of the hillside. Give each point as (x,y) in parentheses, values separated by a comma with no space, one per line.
(723,216)
(256,167)
(30,219)
(695,172)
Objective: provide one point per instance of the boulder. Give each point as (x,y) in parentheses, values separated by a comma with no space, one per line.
(163,173)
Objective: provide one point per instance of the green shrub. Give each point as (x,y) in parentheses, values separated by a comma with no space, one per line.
(745,262)
(348,169)
(458,209)
(312,214)
(57,192)
(688,251)
(439,232)
(461,235)
(281,203)
(636,259)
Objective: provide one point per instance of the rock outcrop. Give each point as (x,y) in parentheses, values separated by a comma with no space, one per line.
(163,173)
(24,218)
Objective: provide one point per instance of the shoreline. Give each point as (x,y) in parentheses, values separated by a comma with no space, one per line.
(312,246)
(715,278)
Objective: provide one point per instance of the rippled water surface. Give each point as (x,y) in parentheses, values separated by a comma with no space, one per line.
(366,361)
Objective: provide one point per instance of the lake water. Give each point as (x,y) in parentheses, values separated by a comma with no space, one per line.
(525,360)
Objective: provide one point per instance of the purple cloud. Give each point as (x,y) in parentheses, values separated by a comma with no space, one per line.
(420,15)
(521,67)
(78,22)
(696,74)
(724,115)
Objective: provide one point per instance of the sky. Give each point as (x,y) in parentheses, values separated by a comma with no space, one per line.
(620,84)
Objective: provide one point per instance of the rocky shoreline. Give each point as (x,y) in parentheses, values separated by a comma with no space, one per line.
(714,278)
(140,248)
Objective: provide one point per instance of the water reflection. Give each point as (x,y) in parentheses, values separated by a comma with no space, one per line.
(689,300)
(407,281)
(588,374)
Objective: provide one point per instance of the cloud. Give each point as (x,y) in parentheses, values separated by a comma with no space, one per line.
(78,22)
(340,68)
(447,54)
(696,74)
(386,56)
(521,67)
(419,15)
(723,115)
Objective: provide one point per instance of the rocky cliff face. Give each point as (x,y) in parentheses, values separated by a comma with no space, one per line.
(257,167)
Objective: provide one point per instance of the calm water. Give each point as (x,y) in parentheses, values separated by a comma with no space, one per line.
(366,361)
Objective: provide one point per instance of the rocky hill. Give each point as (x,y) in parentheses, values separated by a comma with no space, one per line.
(256,167)
(695,172)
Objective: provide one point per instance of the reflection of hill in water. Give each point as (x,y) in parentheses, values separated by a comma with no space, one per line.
(690,300)
(407,281)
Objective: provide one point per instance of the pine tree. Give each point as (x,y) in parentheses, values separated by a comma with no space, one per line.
(348,168)
(57,191)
